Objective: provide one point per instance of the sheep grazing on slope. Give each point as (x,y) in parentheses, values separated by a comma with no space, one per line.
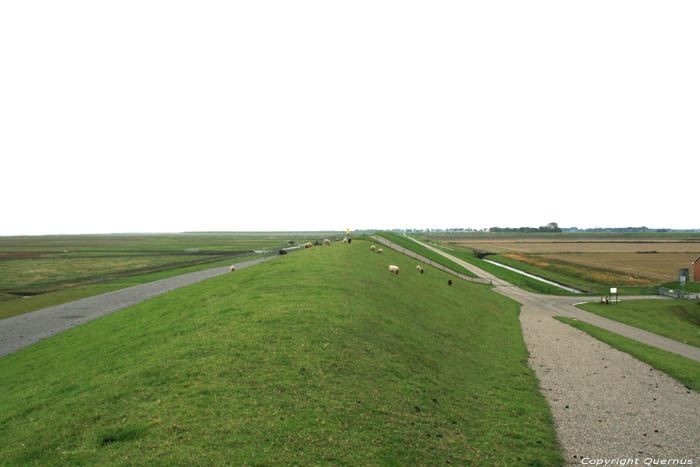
(449,281)
(419,268)
(233,268)
(326,241)
(308,245)
(380,251)
(373,248)
(394,269)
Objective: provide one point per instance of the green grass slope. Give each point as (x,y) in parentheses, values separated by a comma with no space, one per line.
(409,244)
(321,357)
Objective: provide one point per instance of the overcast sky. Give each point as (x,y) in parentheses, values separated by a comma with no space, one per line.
(143,116)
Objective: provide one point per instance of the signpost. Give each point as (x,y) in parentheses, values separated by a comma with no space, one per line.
(683,276)
(613,290)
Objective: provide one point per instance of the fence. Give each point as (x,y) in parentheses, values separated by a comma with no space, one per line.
(422,258)
(678,293)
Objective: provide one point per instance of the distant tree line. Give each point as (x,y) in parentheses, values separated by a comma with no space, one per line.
(641,229)
(551,227)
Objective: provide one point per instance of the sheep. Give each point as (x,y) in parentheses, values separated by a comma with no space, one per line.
(373,248)
(394,269)
(308,245)
(419,268)
(233,268)
(326,242)
(283,252)
(345,240)
(380,251)
(449,281)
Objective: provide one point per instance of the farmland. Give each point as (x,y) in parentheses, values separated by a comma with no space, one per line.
(61,268)
(586,259)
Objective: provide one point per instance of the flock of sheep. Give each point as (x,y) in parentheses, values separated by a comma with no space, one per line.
(392,268)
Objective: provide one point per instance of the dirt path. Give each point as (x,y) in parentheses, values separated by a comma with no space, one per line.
(605,403)
(23,330)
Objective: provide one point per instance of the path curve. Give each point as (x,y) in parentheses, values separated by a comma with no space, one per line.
(23,330)
(605,403)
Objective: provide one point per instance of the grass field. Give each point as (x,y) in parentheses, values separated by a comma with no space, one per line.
(321,357)
(675,319)
(685,370)
(588,261)
(37,265)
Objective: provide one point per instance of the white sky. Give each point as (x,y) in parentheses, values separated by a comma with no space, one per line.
(278,115)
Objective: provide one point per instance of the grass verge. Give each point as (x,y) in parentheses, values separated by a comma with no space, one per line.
(676,319)
(685,370)
(321,357)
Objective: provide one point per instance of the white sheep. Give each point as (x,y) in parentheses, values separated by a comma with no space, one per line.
(233,268)
(326,241)
(419,268)
(380,251)
(394,269)
(373,248)
(308,245)
(345,240)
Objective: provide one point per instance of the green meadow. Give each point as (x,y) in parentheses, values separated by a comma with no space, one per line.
(317,358)
(41,271)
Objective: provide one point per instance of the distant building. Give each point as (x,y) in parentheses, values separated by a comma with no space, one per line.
(696,269)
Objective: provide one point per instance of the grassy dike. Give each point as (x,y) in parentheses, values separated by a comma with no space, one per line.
(421,250)
(321,357)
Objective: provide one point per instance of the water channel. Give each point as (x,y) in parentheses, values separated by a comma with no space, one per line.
(541,279)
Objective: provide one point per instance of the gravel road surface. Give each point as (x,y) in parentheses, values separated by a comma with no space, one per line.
(23,330)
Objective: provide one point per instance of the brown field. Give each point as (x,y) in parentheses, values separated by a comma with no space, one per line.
(627,268)
(605,259)
(508,246)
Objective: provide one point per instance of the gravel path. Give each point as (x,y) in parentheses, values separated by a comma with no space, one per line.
(606,404)
(23,330)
